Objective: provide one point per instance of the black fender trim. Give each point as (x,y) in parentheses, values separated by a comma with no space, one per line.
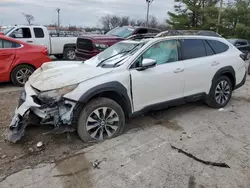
(242,82)
(225,70)
(108,87)
(69,45)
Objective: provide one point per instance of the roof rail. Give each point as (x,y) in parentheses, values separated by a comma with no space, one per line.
(188,32)
(142,36)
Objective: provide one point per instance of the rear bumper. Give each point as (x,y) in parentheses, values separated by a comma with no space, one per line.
(242,82)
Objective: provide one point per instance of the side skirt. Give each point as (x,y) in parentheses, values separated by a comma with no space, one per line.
(167,104)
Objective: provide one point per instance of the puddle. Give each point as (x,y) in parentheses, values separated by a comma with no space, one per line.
(75,172)
(170,124)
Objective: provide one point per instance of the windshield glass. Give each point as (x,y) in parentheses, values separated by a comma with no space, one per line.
(116,51)
(7,30)
(121,32)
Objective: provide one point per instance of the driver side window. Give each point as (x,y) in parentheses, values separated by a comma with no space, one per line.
(163,52)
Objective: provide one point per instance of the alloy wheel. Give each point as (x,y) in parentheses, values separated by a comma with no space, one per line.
(23,75)
(222,92)
(71,54)
(102,123)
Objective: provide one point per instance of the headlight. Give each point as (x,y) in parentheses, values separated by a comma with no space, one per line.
(57,93)
(101,46)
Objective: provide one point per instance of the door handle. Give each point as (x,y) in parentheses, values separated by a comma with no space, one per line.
(215,63)
(178,70)
(29,41)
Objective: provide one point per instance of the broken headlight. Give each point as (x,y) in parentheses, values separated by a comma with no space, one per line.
(56,94)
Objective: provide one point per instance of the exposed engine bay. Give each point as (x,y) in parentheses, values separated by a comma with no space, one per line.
(43,108)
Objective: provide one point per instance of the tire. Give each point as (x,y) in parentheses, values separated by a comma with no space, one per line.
(59,56)
(248,68)
(109,129)
(69,54)
(23,72)
(213,98)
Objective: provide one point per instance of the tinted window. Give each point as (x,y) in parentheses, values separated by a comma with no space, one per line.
(217,46)
(193,48)
(241,43)
(38,33)
(209,50)
(8,44)
(153,31)
(21,33)
(141,31)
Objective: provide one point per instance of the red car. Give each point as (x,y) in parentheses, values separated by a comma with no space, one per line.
(18,60)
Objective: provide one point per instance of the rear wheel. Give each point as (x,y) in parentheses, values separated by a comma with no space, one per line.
(69,54)
(220,93)
(21,74)
(100,119)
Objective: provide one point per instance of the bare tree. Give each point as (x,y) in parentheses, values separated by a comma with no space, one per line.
(29,17)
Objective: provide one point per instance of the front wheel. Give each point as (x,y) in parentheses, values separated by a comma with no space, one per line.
(220,93)
(100,119)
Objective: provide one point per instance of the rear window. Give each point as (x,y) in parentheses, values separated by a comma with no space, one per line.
(193,48)
(8,44)
(38,33)
(217,46)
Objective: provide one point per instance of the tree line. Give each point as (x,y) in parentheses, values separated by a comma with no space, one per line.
(203,15)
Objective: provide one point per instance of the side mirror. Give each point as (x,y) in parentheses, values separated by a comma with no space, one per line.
(147,63)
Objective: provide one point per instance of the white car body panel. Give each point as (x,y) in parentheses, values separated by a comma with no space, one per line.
(157,84)
(58,74)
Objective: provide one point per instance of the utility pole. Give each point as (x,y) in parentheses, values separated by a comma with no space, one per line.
(219,16)
(58,21)
(148,4)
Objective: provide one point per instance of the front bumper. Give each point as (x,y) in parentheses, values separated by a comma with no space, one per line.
(57,113)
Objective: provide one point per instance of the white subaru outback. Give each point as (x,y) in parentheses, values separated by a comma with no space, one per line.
(129,78)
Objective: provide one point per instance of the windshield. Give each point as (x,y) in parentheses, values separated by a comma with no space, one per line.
(6,31)
(115,53)
(121,32)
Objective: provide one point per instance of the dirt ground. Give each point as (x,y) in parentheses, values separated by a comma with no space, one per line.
(15,157)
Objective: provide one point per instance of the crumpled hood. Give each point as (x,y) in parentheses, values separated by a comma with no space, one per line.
(58,74)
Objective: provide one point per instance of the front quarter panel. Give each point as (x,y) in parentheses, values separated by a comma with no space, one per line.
(119,76)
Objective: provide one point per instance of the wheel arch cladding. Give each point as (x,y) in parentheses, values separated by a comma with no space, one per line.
(113,90)
(70,45)
(226,71)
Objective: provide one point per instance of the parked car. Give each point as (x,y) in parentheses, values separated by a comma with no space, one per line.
(242,44)
(88,46)
(128,79)
(18,60)
(60,47)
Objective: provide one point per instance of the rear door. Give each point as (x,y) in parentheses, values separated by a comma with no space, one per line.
(40,37)
(196,56)
(7,56)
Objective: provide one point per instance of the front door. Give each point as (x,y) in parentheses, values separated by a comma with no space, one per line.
(23,34)
(161,83)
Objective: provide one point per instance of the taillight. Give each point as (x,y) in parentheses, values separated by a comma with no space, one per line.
(45,51)
(243,56)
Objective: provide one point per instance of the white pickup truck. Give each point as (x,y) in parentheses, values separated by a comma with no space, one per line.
(60,47)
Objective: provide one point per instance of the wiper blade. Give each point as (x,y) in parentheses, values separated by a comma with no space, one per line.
(127,51)
(101,62)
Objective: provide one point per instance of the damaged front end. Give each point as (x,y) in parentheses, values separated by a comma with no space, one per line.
(36,107)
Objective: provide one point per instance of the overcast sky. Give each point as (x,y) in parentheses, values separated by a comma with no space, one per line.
(79,12)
